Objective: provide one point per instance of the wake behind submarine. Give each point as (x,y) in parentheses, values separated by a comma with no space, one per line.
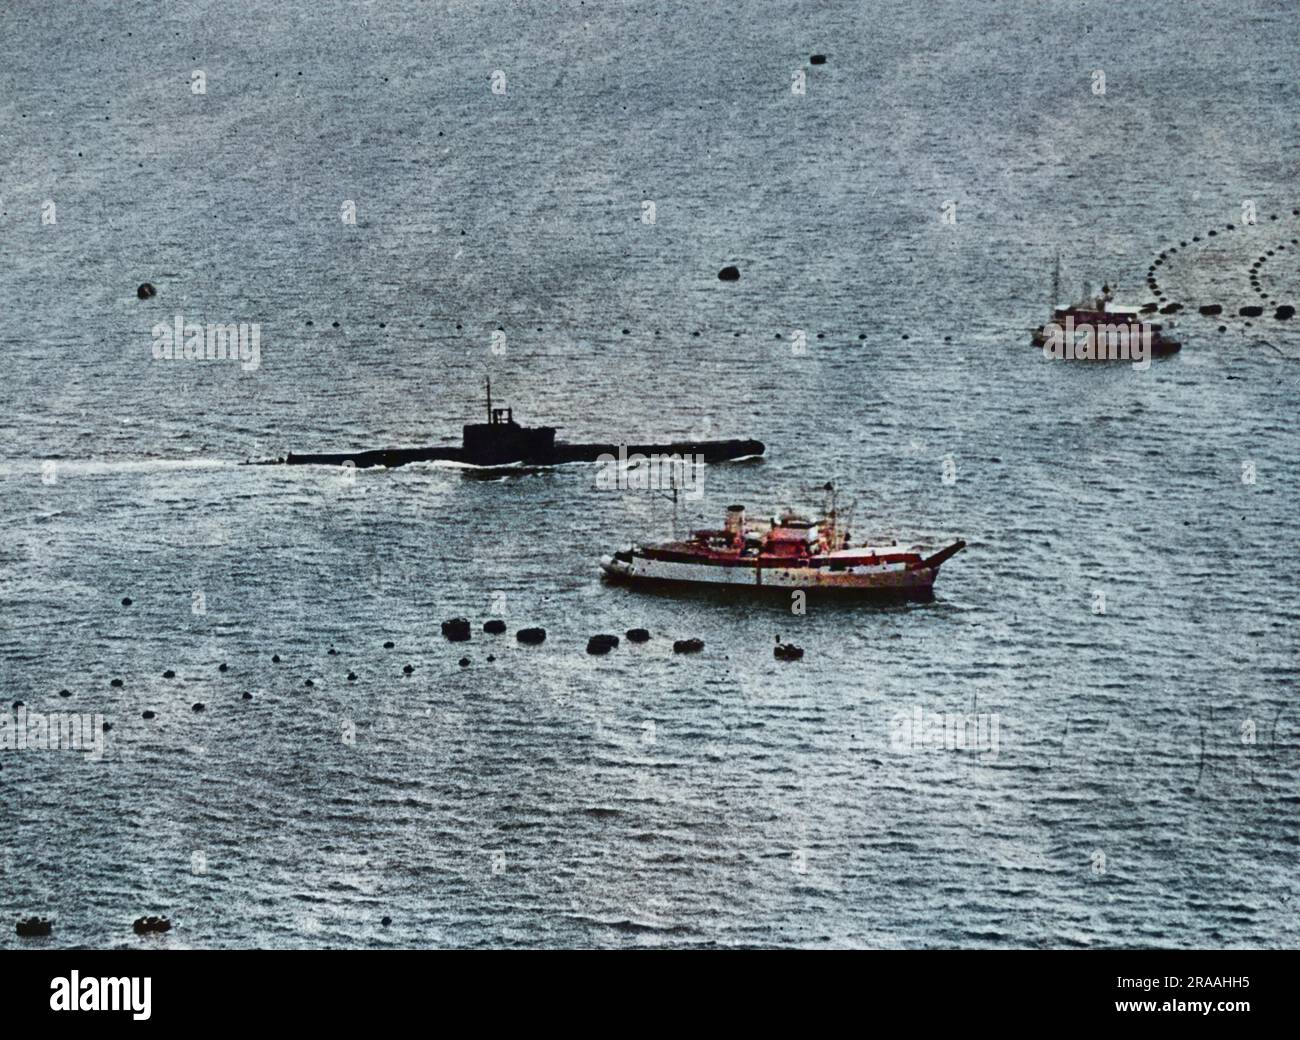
(503,442)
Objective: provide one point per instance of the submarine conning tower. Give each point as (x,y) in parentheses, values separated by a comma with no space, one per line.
(501,439)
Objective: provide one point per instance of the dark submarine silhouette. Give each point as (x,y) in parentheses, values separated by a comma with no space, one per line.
(502,442)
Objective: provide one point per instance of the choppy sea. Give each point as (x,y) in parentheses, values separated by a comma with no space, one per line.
(1126,609)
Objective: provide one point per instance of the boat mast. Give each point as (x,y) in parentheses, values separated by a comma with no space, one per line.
(1056,286)
(672,477)
(671,494)
(831,519)
(489,398)
(847,529)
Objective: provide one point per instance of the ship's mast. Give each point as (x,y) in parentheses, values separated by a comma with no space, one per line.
(831,519)
(1056,286)
(670,494)
(489,398)
(672,478)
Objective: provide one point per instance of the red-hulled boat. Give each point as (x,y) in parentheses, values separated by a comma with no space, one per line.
(1096,330)
(783,553)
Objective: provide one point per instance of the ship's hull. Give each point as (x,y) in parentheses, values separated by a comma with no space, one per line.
(882,581)
(1160,347)
(557,454)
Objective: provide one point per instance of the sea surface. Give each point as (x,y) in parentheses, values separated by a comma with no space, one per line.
(1126,609)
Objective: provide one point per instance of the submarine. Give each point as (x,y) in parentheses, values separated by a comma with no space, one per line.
(503,442)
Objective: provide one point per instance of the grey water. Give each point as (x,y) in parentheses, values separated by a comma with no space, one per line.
(1126,607)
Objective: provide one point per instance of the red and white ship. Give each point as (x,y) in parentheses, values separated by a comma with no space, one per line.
(785,553)
(1096,320)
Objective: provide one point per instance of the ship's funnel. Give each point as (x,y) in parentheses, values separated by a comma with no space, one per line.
(736,522)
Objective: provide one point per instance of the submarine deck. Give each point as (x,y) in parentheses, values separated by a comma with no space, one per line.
(559,454)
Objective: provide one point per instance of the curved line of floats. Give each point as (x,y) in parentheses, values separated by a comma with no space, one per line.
(1282,312)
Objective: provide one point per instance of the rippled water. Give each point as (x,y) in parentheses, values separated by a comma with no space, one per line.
(1143,791)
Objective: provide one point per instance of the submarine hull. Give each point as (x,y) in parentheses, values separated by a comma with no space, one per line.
(552,454)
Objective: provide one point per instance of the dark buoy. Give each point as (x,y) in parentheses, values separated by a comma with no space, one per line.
(331,651)
(817,59)
(601,643)
(116,683)
(729,274)
(491,657)
(146,291)
(199,706)
(65,693)
(385,920)
(456,630)
(407,669)
(169,674)
(1211,309)
(1285,312)
(247,696)
(223,667)
(787,652)
(1171,308)
(494,627)
(389,645)
(148,925)
(34,927)
(126,601)
(637,635)
(688,646)
(148,715)
(463,662)
(1251,311)
(531,636)
(308,682)
(275,658)
(352,676)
